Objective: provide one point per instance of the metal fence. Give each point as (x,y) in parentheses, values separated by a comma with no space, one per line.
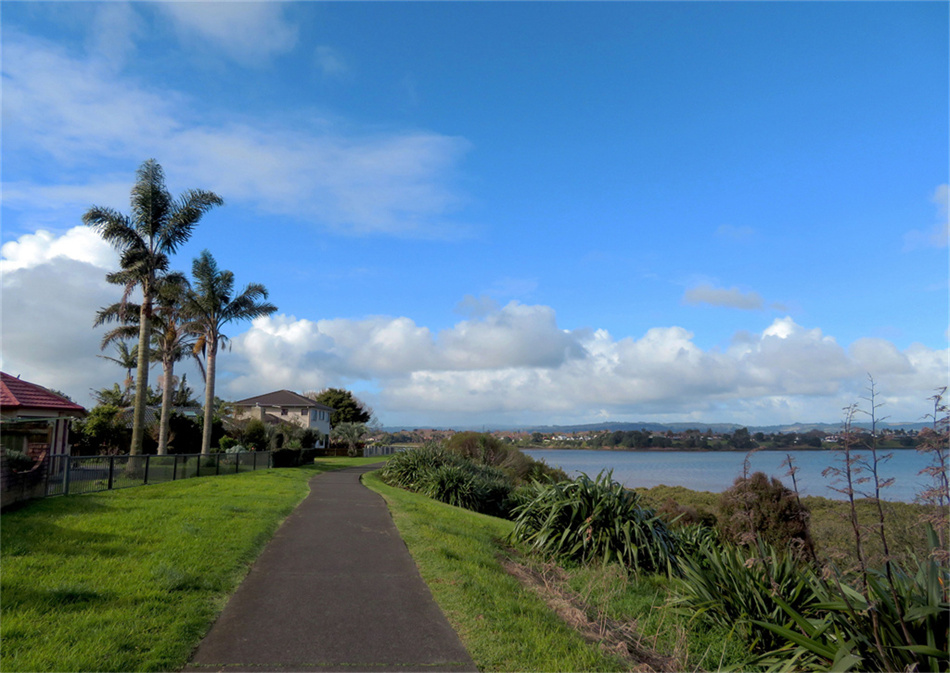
(88,474)
(373,450)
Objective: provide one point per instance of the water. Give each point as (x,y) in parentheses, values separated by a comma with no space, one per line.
(715,471)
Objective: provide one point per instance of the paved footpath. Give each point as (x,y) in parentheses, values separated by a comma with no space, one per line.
(334,590)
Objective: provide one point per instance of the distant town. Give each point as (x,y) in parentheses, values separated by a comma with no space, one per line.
(712,438)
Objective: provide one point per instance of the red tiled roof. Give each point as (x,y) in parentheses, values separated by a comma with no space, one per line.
(23,394)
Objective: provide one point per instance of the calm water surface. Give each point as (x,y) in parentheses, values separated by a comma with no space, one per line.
(715,471)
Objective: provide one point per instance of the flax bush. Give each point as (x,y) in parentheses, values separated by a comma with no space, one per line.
(594,519)
(452,479)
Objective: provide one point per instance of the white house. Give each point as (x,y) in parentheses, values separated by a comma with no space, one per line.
(285,406)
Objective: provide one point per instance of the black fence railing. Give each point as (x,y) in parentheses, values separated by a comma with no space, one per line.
(88,474)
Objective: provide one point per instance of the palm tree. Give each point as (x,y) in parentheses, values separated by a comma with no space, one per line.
(170,341)
(209,307)
(157,226)
(173,342)
(350,434)
(125,356)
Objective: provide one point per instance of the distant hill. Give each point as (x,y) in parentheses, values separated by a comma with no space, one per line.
(718,428)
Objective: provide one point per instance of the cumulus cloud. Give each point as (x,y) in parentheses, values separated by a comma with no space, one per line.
(398,183)
(510,363)
(80,244)
(718,296)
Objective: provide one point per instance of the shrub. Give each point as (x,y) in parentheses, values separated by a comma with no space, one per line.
(310,438)
(757,507)
(594,519)
(17,460)
(739,586)
(226,443)
(236,448)
(285,457)
(450,478)
(255,435)
(486,449)
(464,484)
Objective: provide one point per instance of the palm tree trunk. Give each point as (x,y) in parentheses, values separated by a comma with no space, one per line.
(169,369)
(209,397)
(141,381)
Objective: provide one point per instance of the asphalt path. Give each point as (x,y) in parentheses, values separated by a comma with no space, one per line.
(334,590)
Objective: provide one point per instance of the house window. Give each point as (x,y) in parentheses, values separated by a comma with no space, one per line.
(283,412)
(303,412)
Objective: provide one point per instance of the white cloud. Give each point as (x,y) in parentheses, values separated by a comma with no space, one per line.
(81,244)
(718,296)
(247,32)
(116,26)
(509,363)
(398,183)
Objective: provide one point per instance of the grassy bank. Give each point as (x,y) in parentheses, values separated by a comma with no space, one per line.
(507,627)
(504,626)
(131,580)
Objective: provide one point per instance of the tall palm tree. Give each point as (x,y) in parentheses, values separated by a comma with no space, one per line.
(173,342)
(210,307)
(156,228)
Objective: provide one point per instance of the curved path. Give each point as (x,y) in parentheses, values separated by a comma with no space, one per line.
(334,590)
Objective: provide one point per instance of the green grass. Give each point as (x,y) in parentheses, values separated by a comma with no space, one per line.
(504,626)
(131,580)
(692,645)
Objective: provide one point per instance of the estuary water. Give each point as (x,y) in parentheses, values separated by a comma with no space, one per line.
(716,470)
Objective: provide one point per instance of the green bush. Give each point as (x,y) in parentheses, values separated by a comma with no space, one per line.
(285,457)
(450,478)
(736,587)
(757,507)
(255,435)
(594,519)
(486,449)
(17,460)
(226,443)
(900,621)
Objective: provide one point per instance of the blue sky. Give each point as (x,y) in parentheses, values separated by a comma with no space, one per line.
(504,213)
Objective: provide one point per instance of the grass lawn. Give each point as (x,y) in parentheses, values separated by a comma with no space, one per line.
(131,580)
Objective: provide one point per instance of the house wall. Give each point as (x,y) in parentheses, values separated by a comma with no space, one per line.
(17,487)
(303,417)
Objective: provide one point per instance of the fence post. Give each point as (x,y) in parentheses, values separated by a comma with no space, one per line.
(254,464)
(217,463)
(175,468)
(66,475)
(145,478)
(111,470)
(237,462)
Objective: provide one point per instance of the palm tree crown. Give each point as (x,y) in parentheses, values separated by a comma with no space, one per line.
(156,228)
(211,305)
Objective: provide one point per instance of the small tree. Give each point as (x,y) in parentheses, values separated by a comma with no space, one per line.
(347,408)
